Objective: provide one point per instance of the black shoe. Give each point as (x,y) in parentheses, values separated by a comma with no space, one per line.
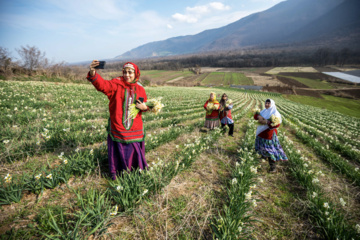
(272,170)
(272,165)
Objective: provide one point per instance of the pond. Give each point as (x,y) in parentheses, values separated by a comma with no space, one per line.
(344,76)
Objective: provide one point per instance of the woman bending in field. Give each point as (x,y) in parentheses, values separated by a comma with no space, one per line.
(225,113)
(267,143)
(212,112)
(126,138)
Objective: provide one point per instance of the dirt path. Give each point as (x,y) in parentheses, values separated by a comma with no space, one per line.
(260,80)
(175,80)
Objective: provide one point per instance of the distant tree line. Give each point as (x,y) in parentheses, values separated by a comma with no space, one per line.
(34,62)
(320,57)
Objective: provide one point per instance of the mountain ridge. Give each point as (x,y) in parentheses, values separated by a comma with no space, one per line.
(292,21)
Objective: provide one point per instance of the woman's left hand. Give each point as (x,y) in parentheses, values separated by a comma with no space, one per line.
(262,120)
(140,105)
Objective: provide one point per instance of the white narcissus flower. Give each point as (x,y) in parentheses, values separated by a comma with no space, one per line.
(357,227)
(65,161)
(233,181)
(315,180)
(49,176)
(8,178)
(6,141)
(91,151)
(248,195)
(37,177)
(326,205)
(119,188)
(342,202)
(145,191)
(115,211)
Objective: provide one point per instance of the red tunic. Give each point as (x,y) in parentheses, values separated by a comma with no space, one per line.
(268,133)
(214,114)
(223,114)
(121,128)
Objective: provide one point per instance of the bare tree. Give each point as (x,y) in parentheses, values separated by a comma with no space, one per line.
(32,58)
(5,59)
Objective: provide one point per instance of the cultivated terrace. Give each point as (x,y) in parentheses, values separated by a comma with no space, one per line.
(199,185)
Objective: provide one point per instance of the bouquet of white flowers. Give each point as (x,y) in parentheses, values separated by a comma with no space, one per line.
(228,102)
(274,120)
(256,111)
(154,105)
(210,107)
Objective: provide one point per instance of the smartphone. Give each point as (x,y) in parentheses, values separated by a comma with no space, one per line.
(101,65)
(141,99)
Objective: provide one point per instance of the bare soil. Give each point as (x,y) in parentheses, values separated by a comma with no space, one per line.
(263,80)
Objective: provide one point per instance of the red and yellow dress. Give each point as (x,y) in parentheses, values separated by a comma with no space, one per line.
(212,113)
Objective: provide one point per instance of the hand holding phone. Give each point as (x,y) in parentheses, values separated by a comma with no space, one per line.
(101,65)
(140,104)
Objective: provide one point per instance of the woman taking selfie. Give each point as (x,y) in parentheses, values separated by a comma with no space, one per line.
(126,138)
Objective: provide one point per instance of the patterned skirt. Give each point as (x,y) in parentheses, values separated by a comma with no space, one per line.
(124,156)
(270,148)
(212,123)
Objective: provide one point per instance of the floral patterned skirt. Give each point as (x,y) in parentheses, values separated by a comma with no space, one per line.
(270,148)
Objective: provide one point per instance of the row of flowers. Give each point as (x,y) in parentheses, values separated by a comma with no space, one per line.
(352,172)
(234,221)
(96,208)
(337,130)
(12,192)
(329,141)
(78,164)
(329,217)
(70,120)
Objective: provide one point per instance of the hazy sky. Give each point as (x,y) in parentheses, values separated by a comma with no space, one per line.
(78,30)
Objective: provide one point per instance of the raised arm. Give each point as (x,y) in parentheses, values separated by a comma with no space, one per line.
(104,86)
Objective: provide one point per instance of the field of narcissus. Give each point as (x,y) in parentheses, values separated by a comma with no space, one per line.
(199,185)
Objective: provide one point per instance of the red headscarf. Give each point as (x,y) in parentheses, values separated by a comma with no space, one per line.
(136,69)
